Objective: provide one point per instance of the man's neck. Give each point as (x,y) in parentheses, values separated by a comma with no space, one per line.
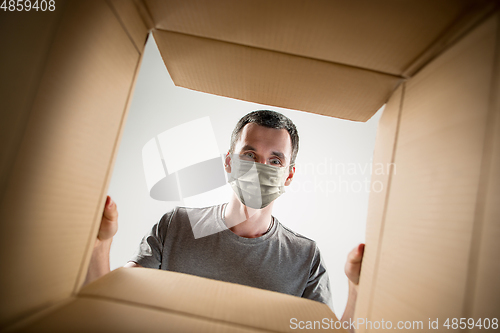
(247,222)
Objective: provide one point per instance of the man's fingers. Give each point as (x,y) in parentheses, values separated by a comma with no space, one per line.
(109,221)
(356,255)
(110,210)
(360,251)
(353,264)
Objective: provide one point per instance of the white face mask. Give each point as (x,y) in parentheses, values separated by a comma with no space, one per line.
(256,184)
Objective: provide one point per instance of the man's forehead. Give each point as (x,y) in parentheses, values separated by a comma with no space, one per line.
(274,139)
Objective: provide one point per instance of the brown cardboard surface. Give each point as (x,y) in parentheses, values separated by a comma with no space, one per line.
(101,315)
(334,58)
(384,168)
(92,236)
(432,238)
(476,12)
(130,16)
(145,15)
(22,60)
(273,78)
(384,36)
(205,298)
(38,315)
(423,266)
(55,191)
(484,293)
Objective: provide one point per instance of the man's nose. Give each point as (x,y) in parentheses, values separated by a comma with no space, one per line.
(261,159)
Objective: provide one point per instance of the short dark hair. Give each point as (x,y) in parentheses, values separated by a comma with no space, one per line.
(270,119)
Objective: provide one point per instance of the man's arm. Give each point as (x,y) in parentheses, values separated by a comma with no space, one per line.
(353,270)
(99,262)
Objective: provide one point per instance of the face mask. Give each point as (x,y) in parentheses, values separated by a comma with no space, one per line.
(256,184)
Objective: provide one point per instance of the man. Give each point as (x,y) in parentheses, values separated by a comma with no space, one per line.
(240,241)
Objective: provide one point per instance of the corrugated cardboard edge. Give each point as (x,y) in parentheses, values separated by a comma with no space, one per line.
(483,263)
(97,219)
(385,151)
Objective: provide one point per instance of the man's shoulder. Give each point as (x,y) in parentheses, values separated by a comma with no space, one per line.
(196,210)
(182,212)
(295,239)
(201,222)
(295,235)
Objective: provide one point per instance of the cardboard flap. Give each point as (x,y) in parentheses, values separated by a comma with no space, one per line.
(430,230)
(206,298)
(101,315)
(384,168)
(64,145)
(383,36)
(274,78)
(151,300)
(340,59)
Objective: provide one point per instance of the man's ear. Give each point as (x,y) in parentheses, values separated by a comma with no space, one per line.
(290,176)
(227,163)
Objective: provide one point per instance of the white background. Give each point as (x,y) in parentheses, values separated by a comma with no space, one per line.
(333,152)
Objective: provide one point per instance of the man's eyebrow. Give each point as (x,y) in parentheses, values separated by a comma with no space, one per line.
(280,155)
(248,147)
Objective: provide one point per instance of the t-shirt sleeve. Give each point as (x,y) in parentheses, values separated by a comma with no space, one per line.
(149,253)
(318,285)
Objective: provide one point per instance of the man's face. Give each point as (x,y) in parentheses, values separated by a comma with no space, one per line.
(265,145)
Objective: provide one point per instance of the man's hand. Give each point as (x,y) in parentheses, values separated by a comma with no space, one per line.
(109,221)
(99,262)
(352,270)
(353,264)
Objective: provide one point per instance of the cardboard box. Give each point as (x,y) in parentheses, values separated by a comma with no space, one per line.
(149,300)
(432,234)
(431,231)
(69,76)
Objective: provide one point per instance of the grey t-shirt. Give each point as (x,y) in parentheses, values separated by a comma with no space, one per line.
(196,241)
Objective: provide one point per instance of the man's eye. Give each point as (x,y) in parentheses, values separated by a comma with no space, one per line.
(247,156)
(276,161)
